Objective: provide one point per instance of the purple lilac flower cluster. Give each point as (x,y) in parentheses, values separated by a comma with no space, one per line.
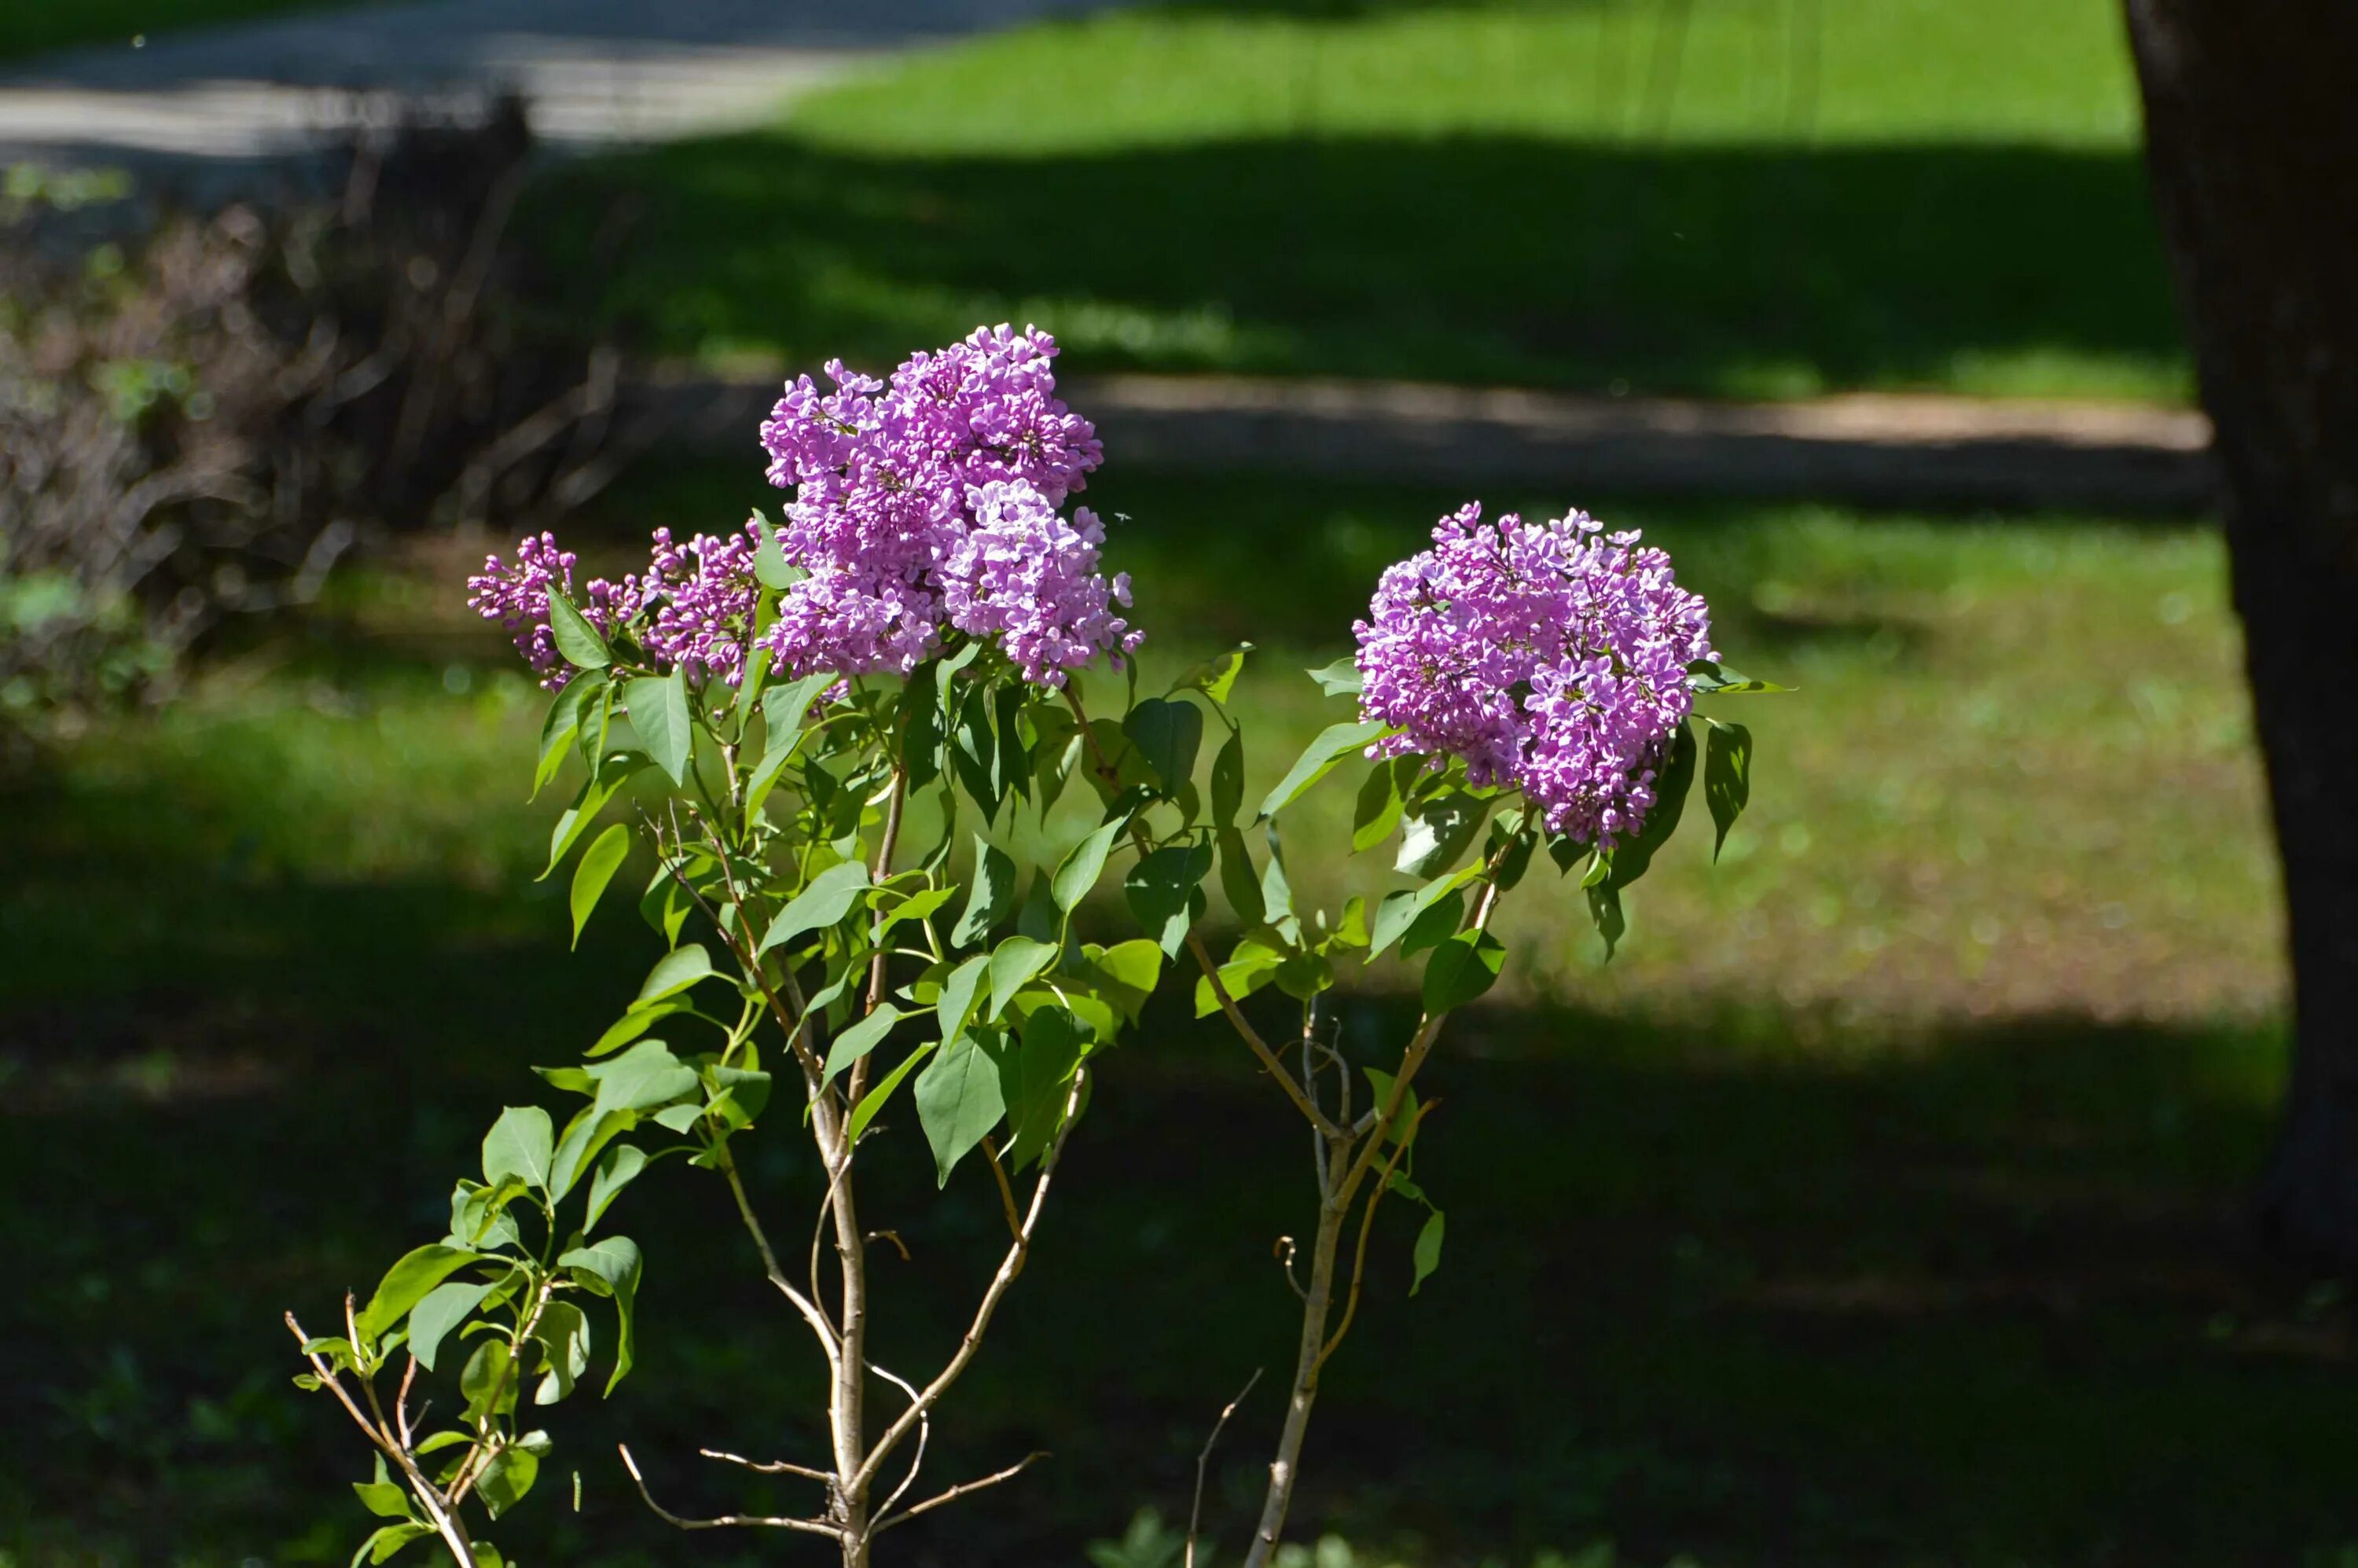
(932,499)
(924,505)
(1552,657)
(518,597)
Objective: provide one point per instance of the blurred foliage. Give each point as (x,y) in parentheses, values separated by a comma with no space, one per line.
(27,27)
(200,417)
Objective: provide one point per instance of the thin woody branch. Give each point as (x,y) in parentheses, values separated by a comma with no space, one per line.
(960,1490)
(1009,1267)
(722,1521)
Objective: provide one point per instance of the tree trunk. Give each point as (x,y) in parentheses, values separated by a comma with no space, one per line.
(2252,144)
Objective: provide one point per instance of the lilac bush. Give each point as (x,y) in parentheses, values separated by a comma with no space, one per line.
(810,732)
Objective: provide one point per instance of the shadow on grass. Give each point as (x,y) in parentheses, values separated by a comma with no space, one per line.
(1707,1290)
(1485,259)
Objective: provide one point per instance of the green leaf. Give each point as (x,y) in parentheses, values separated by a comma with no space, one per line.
(576,638)
(618,1169)
(785,709)
(1404,1123)
(958,1101)
(1334,743)
(484,1378)
(1167,733)
(1341,678)
(1705,677)
(614,1264)
(659,713)
(576,819)
(506,1480)
(381,1544)
(1251,965)
(443,1308)
(1726,777)
(591,1128)
(1428,1249)
(1162,891)
(956,1003)
(563,723)
(406,1283)
(634,1023)
(1228,780)
(1438,831)
(1035,1079)
(1434,924)
(1634,854)
(827,899)
(1216,677)
(1013,965)
(770,567)
(1382,798)
(1400,910)
(522,1143)
(865,1112)
(916,906)
(383,1497)
(1126,974)
(1239,883)
(563,1334)
(1461,970)
(1605,910)
(596,869)
(644,1076)
(675,972)
(1079,869)
(859,1039)
(992,896)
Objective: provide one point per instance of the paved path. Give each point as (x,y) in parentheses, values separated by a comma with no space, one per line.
(1874,451)
(598,73)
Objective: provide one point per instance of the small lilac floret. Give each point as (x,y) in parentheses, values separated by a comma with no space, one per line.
(1552,657)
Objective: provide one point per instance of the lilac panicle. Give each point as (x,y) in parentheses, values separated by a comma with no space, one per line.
(1550,657)
(915,500)
(923,506)
(1027,579)
(518,597)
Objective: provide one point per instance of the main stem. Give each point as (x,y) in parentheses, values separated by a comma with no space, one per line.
(1318,1302)
(847,1413)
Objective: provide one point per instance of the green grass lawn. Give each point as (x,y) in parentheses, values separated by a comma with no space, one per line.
(28,26)
(1877,1205)
(1782,197)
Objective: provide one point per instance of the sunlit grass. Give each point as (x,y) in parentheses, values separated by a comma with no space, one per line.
(1797,199)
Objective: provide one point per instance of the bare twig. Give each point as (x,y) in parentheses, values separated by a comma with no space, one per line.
(1367,1224)
(1006,1189)
(1283,1251)
(724,1522)
(1009,1267)
(438,1508)
(961,1489)
(804,1305)
(1203,1462)
(767,1467)
(918,1461)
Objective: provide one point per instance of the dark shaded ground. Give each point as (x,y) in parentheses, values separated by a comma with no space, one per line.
(1981,1302)
(1484,259)
(1759,1284)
